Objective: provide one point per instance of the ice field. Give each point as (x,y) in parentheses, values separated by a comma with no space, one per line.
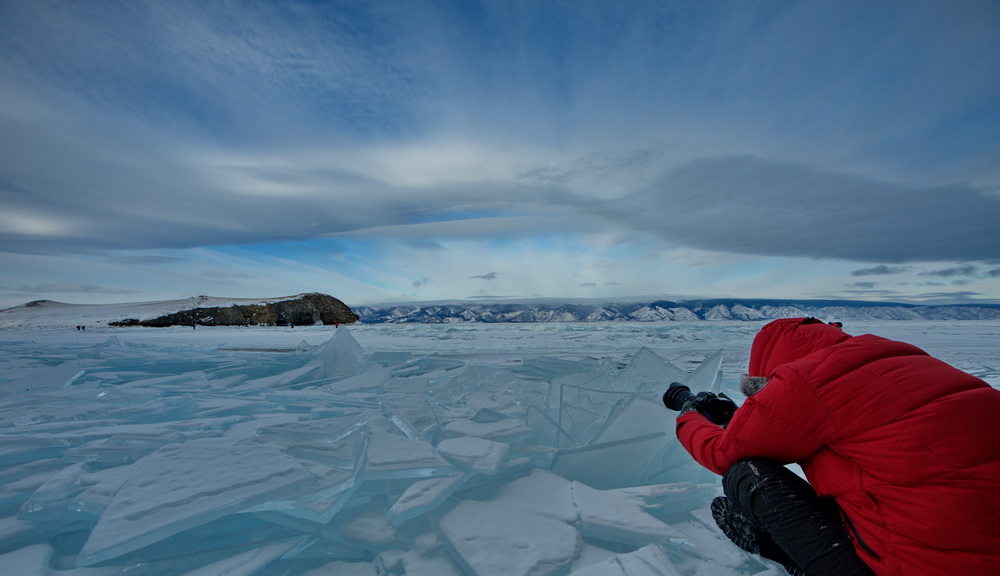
(437,450)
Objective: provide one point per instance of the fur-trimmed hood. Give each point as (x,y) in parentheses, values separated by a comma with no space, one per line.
(788,340)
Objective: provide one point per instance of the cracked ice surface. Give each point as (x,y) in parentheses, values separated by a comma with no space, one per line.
(374,450)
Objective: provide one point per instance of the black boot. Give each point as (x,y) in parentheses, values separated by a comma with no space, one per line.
(749,535)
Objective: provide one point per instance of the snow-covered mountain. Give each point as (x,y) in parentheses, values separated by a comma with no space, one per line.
(664,310)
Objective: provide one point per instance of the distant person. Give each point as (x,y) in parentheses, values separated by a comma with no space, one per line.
(901,452)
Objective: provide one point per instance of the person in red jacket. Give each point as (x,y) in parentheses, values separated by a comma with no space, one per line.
(901,452)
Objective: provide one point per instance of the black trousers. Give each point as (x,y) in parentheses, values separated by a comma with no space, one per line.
(789,523)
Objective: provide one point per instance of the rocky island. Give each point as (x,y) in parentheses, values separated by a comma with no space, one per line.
(302,310)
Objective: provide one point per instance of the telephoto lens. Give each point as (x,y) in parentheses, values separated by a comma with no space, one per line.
(676,395)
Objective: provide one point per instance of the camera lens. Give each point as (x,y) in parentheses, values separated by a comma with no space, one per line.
(676,395)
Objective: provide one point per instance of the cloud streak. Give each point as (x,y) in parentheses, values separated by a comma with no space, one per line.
(880,270)
(965,270)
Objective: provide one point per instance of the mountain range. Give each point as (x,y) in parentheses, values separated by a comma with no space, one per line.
(307,309)
(669,310)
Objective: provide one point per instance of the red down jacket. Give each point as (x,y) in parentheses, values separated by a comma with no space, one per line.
(907,445)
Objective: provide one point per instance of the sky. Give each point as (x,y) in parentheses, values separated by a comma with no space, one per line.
(395,151)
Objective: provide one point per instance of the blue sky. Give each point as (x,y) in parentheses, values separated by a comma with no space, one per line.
(426,150)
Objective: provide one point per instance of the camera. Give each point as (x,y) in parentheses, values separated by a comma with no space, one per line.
(718,408)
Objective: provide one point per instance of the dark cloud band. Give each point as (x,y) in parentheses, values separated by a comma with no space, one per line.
(753,206)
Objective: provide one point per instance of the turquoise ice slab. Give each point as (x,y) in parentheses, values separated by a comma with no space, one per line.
(184,486)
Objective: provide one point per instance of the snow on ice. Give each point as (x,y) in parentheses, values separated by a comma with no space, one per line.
(438,450)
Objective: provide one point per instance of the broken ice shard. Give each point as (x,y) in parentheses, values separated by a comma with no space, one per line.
(340,357)
(425,495)
(392,456)
(606,516)
(491,539)
(632,438)
(477,454)
(646,561)
(187,485)
(648,372)
(706,376)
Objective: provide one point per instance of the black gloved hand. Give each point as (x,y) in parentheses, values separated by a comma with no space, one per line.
(689,406)
(718,409)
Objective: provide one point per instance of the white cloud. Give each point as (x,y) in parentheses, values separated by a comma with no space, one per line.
(28,224)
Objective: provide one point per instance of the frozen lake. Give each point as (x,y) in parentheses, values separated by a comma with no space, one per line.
(375,449)
(973,346)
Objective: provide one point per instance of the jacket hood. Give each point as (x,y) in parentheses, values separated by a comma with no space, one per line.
(788,340)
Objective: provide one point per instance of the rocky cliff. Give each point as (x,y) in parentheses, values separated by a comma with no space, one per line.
(303,310)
